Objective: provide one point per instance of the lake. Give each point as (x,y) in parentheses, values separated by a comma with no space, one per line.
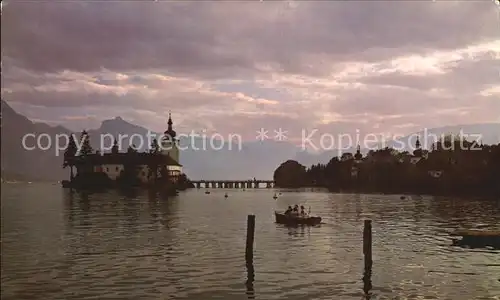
(59,245)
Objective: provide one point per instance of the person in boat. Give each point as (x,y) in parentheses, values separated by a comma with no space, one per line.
(295,211)
(288,211)
(302,211)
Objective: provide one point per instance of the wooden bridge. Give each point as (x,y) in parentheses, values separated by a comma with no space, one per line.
(233,184)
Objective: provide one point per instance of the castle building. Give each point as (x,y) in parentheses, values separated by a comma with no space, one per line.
(113,164)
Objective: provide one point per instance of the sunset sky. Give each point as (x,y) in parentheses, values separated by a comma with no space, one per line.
(377,66)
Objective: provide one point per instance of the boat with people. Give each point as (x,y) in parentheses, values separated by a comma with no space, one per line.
(292,216)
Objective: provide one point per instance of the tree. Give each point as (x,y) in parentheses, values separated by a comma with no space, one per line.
(132,149)
(115,149)
(290,174)
(69,154)
(154,148)
(85,142)
(455,166)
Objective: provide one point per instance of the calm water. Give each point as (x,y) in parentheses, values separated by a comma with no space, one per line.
(109,246)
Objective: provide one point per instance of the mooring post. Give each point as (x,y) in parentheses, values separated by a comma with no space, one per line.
(367,244)
(250,237)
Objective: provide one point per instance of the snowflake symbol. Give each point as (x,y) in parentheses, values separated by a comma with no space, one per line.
(261,134)
(280,134)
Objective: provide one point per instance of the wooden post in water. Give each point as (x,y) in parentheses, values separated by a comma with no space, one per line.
(367,251)
(250,238)
(249,256)
(367,244)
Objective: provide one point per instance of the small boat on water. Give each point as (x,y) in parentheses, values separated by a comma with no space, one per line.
(207,192)
(282,218)
(275,196)
(477,238)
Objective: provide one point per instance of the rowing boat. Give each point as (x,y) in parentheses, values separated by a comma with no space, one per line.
(296,220)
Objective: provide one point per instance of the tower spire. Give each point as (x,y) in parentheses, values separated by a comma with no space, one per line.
(170,131)
(358,156)
(418,151)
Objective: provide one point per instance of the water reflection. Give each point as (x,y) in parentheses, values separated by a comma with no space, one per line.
(367,283)
(466,213)
(140,246)
(250,279)
(300,230)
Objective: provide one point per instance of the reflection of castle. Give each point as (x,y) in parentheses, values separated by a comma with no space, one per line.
(114,164)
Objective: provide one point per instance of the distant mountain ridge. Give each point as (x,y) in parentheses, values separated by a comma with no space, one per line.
(255,159)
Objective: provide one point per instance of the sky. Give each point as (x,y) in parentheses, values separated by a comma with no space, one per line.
(235,67)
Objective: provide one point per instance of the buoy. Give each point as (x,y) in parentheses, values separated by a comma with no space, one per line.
(275,197)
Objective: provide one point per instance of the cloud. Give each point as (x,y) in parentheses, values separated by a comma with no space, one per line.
(241,66)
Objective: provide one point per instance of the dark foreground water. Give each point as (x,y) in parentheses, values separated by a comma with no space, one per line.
(109,246)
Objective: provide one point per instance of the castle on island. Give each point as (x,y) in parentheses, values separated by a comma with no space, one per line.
(157,164)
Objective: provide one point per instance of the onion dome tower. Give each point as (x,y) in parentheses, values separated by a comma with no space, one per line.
(169,143)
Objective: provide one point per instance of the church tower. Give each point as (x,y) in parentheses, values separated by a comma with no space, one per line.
(358,156)
(169,142)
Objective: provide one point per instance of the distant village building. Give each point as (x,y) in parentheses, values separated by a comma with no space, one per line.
(347,156)
(418,153)
(358,157)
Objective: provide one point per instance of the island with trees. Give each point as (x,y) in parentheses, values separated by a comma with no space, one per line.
(153,169)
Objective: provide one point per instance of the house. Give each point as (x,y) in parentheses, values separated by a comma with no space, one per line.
(346,156)
(113,164)
(418,153)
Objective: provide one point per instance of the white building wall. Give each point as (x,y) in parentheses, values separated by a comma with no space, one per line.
(114,170)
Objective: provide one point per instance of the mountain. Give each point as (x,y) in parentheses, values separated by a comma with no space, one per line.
(35,164)
(253,159)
